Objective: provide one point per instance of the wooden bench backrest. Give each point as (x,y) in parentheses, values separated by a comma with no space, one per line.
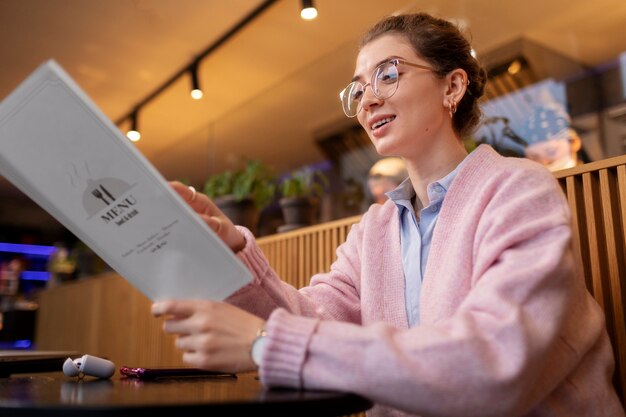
(596,193)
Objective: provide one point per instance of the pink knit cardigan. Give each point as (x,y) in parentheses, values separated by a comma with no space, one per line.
(507,325)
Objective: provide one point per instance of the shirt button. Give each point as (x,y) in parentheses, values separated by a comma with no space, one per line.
(434,208)
(438,188)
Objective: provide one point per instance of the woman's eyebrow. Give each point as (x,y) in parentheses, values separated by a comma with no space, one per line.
(389,58)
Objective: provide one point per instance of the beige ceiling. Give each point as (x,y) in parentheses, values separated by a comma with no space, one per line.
(271,90)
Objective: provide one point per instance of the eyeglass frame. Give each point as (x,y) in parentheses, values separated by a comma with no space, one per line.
(395,62)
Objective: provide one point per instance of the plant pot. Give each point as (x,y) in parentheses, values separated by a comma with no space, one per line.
(298,212)
(242,212)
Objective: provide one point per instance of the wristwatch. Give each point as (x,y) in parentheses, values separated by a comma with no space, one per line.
(258,346)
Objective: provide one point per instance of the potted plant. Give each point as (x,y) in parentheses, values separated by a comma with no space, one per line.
(301,193)
(241,195)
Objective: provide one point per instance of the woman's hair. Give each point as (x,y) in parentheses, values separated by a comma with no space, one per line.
(443,45)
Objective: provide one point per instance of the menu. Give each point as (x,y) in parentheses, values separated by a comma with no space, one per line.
(58,148)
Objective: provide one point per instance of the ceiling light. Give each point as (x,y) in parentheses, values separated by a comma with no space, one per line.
(514,67)
(196,91)
(133,134)
(308,11)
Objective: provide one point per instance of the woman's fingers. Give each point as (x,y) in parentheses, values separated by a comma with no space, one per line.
(184,191)
(212,334)
(178,309)
(215,223)
(211,215)
(199,202)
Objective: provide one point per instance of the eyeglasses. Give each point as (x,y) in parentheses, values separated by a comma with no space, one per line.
(384,83)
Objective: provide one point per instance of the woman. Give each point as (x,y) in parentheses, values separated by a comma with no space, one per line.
(484,314)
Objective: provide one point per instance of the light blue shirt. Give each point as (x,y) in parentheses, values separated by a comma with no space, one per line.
(416,236)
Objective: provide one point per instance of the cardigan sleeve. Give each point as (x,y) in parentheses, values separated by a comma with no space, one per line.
(523,328)
(332,295)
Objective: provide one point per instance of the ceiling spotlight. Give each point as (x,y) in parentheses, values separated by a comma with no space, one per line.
(133,134)
(308,11)
(515,67)
(196,91)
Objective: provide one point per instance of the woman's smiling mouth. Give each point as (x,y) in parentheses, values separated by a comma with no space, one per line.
(381,122)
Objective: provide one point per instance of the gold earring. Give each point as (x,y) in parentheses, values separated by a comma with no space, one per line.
(451,108)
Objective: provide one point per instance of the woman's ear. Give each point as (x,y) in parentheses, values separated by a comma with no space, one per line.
(456,86)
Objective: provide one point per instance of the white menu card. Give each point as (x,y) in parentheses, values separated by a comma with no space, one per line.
(58,148)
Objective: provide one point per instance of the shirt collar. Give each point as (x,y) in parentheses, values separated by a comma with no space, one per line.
(403,193)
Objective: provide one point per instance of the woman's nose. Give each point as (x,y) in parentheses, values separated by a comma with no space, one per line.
(369,99)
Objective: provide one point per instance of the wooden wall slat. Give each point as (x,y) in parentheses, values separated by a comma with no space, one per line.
(620,346)
(573,190)
(611,220)
(288,257)
(621,188)
(307,258)
(593,235)
(313,258)
(281,259)
(572,200)
(615,265)
(301,254)
(321,254)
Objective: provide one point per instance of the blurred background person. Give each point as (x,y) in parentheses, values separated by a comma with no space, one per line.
(385,175)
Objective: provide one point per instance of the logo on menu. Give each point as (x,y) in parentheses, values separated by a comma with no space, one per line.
(118,212)
(109,199)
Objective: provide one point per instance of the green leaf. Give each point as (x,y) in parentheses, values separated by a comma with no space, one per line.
(255,181)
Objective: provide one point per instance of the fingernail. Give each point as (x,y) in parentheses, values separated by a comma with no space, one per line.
(157,308)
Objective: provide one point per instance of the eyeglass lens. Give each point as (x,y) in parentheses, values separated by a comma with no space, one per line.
(384,84)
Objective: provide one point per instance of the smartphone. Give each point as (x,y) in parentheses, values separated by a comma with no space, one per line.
(155,373)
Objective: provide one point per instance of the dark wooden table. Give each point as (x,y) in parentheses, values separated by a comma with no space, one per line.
(54,394)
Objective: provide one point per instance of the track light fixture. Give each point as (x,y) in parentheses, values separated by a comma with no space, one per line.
(308,11)
(133,134)
(196,91)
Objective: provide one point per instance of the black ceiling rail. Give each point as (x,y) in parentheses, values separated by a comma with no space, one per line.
(236,28)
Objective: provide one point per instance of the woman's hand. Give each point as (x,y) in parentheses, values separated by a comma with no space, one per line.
(213,335)
(211,215)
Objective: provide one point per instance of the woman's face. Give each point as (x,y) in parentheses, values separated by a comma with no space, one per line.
(413,116)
